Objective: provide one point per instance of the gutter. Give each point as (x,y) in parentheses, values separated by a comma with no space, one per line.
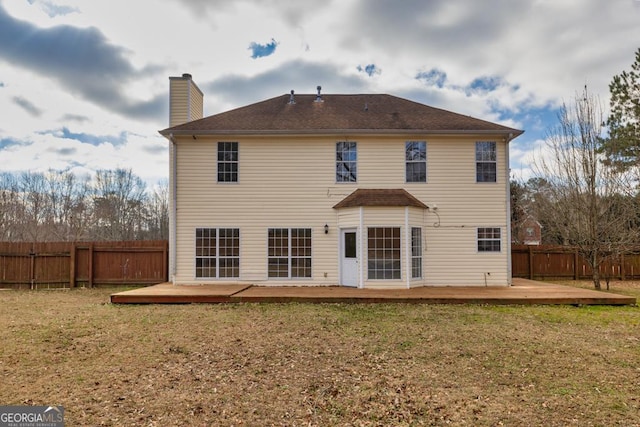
(509,133)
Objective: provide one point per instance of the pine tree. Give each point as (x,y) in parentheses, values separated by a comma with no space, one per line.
(623,146)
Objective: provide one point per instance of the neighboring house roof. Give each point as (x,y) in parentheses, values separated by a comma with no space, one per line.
(379,197)
(374,113)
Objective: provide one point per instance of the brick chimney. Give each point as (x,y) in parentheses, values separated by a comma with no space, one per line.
(185,100)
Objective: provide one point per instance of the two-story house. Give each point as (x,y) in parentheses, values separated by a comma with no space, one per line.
(370,191)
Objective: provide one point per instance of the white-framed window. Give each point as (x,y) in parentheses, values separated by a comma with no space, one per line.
(227,162)
(415,153)
(416,253)
(289,253)
(489,239)
(383,253)
(217,252)
(346,161)
(486,161)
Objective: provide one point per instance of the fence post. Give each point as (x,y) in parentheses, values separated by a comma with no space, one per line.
(622,272)
(32,272)
(576,272)
(531,272)
(165,260)
(91,265)
(72,265)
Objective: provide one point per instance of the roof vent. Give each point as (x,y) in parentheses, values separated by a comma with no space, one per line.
(292,99)
(366,106)
(319,96)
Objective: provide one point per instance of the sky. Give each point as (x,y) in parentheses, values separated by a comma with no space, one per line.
(84,83)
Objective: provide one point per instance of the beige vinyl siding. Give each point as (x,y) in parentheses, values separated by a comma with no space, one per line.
(179,101)
(450,251)
(348,217)
(196,102)
(275,190)
(186,101)
(289,182)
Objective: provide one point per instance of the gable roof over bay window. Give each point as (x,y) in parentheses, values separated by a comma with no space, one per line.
(380,197)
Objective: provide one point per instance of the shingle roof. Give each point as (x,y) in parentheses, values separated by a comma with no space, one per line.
(337,113)
(380,197)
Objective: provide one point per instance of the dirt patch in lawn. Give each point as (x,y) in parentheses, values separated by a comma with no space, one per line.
(319,364)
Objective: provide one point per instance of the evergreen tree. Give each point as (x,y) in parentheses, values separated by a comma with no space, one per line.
(623,146)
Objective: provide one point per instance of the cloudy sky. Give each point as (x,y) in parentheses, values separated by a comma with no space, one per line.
(84,83)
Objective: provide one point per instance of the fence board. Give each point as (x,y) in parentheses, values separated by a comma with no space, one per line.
(70,264)
(558,262)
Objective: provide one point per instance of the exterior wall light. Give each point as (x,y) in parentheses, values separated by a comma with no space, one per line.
(326,229)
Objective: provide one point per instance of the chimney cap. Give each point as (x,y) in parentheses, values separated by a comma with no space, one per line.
(187,76)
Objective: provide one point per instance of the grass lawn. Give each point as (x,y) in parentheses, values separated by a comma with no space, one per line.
(324,364)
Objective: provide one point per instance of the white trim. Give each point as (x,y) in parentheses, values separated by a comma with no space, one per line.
(361,248)
(508,191)
(407,248)
(173,211)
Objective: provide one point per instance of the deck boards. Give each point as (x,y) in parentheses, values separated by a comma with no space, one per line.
(523,291)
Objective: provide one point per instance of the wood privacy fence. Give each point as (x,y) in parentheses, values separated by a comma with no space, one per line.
(75,264)
(559,262)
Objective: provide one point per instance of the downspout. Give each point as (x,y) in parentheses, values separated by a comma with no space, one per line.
(174,208)
(508,190)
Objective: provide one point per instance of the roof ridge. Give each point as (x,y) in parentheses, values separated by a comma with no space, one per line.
(369,112)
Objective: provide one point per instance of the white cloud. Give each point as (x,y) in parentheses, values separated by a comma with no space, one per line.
(101,67)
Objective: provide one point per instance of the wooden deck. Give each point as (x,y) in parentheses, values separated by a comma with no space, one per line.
(523,291)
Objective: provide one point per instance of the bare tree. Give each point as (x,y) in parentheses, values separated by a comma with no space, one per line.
(9,206)
(158,212)
(119,199)
(61,206)
(589,204)
(67,196)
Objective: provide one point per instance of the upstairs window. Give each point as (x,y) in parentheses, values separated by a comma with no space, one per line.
(486,164)
(415,161)
(346,162)
(227,162)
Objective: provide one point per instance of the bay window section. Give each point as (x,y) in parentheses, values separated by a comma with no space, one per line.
(416,253)
(383,253)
